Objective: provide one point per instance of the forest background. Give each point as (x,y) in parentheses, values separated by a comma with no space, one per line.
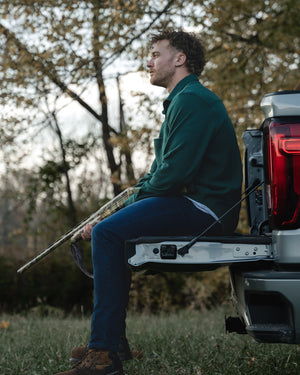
(78,115)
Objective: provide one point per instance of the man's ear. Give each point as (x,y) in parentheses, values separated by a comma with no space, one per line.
(180,59)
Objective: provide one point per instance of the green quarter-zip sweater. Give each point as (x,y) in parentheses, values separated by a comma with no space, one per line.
(196,153)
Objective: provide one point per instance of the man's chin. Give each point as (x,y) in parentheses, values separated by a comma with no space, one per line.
(155,82)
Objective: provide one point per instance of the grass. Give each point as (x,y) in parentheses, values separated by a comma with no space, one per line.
(186,343)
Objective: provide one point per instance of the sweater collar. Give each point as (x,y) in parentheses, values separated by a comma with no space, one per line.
(179,87)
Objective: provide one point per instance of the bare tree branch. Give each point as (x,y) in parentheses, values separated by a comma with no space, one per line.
(116,54)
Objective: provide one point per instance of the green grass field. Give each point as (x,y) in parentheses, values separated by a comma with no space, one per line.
(186,343)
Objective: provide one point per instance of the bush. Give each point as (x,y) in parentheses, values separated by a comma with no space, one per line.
(175,291)
(57,282)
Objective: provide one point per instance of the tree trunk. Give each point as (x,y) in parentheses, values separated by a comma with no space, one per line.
(72,209)
(113,166)
(125,147)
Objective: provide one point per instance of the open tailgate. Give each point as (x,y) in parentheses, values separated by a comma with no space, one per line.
(165,253)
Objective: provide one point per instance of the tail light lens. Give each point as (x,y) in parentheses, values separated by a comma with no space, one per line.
(282,162)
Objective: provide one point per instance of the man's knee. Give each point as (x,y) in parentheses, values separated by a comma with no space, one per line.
(105,240)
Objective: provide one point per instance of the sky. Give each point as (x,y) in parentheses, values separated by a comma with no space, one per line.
(76,121)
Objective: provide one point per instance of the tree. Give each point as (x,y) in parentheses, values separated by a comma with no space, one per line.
(56,45)
(253,49)
(55,53)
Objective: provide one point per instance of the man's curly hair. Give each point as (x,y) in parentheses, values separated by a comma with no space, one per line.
(189,44)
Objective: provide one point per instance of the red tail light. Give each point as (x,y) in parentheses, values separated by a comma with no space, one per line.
(282,162)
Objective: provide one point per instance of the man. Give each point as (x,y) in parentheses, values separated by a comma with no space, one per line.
(194,179)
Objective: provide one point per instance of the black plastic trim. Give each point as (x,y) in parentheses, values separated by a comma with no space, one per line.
(272,275)
(284,92)
(239,238)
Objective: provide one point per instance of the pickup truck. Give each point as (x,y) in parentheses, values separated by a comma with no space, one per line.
(264,265)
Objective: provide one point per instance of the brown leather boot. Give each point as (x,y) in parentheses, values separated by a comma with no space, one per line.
(124,351)
(97,362)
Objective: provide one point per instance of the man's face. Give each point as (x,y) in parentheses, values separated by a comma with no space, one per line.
(162,63)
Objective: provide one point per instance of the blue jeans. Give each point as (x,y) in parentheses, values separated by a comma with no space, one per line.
(159,216)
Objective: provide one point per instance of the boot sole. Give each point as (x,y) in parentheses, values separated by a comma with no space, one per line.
(123,358)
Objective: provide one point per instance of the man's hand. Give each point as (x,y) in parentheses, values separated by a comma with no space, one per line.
(87,231)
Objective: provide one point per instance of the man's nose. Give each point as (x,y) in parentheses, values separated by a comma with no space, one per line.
(150,63)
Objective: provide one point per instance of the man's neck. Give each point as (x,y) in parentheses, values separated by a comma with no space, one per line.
(176,79)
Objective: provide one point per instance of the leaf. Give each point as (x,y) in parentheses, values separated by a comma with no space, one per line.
(4,324)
